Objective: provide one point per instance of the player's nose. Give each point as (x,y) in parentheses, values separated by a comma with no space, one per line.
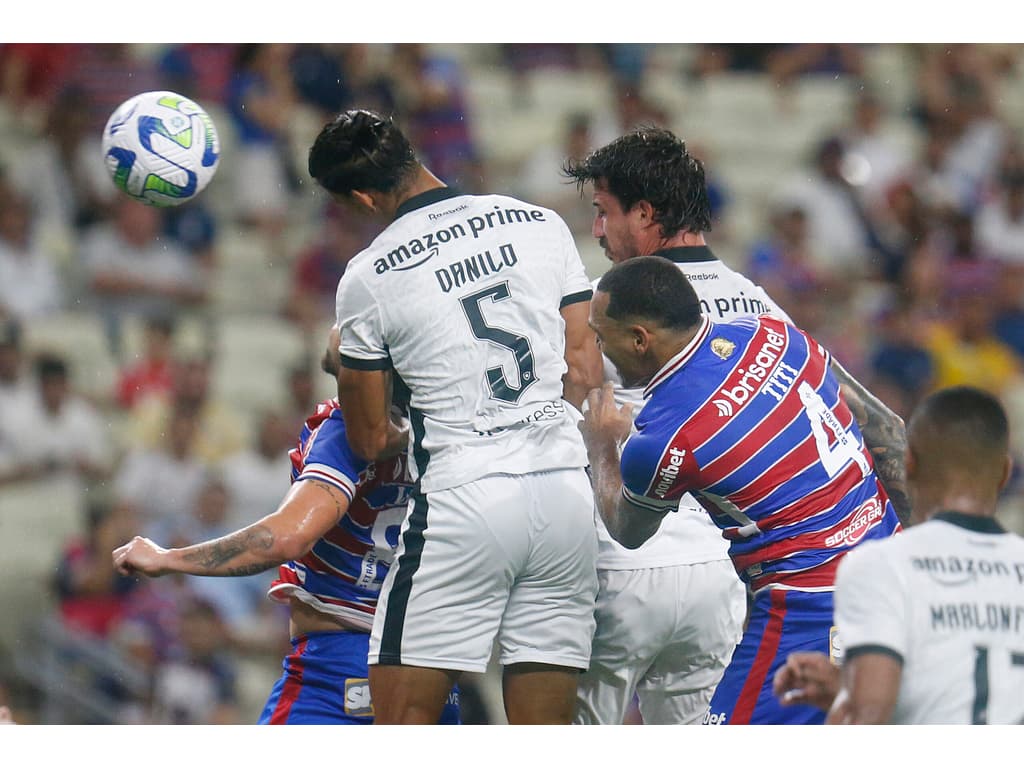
(597,230)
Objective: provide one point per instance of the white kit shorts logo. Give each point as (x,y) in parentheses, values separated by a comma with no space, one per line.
(862,520)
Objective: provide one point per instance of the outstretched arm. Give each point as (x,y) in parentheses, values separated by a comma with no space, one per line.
(884,435)
(309,510)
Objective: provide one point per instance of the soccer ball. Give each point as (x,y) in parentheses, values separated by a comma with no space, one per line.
(160,148)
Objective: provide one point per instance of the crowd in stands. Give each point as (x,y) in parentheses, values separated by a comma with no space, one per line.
(895,236)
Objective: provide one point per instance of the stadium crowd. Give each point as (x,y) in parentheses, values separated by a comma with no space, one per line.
(156,365)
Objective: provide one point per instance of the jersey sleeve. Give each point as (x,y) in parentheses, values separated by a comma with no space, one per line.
(577,286)
(870,610)
(329,459)
(655,475)
(361,325)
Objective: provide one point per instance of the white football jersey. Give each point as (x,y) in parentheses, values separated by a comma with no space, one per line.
(946,598)
(461,296)
(687,536)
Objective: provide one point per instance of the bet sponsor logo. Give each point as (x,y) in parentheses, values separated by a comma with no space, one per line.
(668,471)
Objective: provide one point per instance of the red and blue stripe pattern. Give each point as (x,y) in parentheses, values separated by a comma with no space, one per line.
(749,418)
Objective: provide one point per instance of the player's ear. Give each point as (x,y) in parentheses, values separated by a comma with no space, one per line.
(641,339)
(1007,471)
(645,211)
(364,201)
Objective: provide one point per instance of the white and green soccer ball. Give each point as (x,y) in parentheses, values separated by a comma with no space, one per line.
(160,148)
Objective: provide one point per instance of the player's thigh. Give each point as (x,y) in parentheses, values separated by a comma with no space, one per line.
(710,609)
(781,622)
(405,695)
(460,551)
(324,682)
(634,619)
(549,617)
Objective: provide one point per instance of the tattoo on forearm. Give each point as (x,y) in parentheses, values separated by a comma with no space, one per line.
(885,437)
(341,501)
(216,554)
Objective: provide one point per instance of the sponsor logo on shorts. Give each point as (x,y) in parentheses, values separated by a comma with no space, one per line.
(357,697)
(865,516)
(715,718)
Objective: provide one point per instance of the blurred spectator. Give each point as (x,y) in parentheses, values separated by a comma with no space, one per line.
(56,435)
(627,62)
(965,348)
(91,593)
(198,684)
(259,100)
(108,74)
(902,369)
(541,181)
(133,271)
(62,173)
(900,224)
(838,229)
(882,159)
(939,186)
(164,481)
(714,58)
(524,57)
(431,96)
(301,394)
(798,59)
(29,280)
(1000,222)
(14,387)
(32,73)
(321,263)
(257,477)
(630,110)
(220,431)
(152,374)
(200,71)
(1008,299)
(783,263)
(320,77)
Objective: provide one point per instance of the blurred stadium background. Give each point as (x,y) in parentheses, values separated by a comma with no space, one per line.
(155,366)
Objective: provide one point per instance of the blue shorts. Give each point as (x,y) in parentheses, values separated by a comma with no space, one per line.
(326,682)
(781,621)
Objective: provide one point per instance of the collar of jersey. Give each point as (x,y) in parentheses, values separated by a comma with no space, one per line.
(424,199)
(680,358)
(970,522)
(687,253)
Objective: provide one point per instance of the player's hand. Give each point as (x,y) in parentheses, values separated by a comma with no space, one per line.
(603,419)
(140,555)
(807,678)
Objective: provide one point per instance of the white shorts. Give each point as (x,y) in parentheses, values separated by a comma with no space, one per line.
(665,633)
(508,558)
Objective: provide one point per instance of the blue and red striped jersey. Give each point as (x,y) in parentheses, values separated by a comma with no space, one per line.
(343,573)
(750,420)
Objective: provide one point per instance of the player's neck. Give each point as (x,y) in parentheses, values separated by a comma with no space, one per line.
(423,181)
(960,501)
(682,239)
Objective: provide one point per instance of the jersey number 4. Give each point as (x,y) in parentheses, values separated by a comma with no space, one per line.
(519,346)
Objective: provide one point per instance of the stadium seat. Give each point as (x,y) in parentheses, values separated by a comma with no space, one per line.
(81,339)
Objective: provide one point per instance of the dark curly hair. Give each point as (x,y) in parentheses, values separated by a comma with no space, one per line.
(650,164)
(361,150)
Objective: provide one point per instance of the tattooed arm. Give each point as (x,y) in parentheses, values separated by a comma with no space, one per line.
(884,435)
(309,510)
